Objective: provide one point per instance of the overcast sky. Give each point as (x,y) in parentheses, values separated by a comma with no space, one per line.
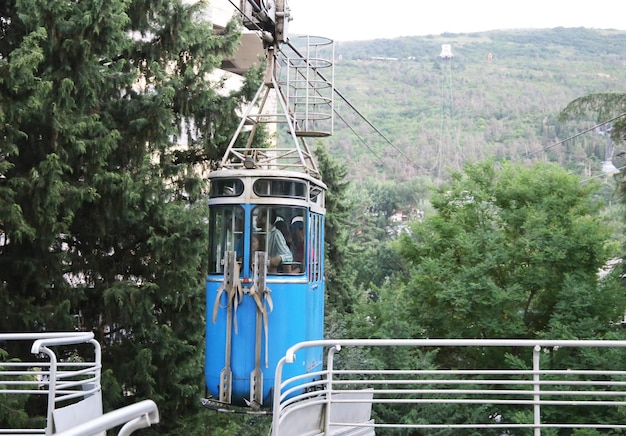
(347,20)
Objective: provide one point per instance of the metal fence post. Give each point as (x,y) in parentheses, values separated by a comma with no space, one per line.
(329,378)
(537,389)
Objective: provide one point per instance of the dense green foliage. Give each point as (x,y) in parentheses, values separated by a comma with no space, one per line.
(608,107)
(510,252)
(101,214)
(339,286)
(506,248)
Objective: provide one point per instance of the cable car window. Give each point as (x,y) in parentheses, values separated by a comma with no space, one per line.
(280,231)
(226,188)
(225,234)
(316,250)
(280,188)
(315,193)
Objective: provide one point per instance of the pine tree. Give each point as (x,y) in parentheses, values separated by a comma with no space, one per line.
(339,283)
(605,106)
(101,213)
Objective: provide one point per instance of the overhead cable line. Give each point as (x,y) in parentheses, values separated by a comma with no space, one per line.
(249,18)
(362,140)
(297,52)
(342,97)
(348,125)
(570,138)
(368,122)
(243,14)
(375,128)
(599,175)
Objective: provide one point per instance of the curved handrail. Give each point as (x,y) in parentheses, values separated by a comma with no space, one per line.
(539,387)
(290,354)
(134,416)
(55,340)
(74,380)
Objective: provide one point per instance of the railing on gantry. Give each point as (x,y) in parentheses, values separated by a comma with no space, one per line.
(536,385)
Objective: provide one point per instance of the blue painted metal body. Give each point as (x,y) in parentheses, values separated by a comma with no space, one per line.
(297,315)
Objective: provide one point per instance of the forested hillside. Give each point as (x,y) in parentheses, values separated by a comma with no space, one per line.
(498,96)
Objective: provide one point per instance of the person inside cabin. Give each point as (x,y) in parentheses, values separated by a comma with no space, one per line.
(297,236)
(281,225)
(278,251)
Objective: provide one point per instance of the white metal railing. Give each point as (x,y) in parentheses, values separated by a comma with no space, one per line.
(541,385)
(66,377)
(133,417)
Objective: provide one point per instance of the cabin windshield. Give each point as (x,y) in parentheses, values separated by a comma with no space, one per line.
(226,233)
(281,232)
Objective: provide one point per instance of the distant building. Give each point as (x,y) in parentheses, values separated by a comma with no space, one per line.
(446,51)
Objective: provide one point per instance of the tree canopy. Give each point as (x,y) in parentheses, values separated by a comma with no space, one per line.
(511,253)
(101,219)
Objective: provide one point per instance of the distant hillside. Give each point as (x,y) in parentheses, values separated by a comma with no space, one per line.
(500,95)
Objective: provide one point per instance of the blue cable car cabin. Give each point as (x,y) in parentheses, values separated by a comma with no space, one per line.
(265,283)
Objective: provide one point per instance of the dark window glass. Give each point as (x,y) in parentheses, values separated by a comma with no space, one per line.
(314,194)
(226,187)
(315,252)
(281,232)
(280,188)
(225,234)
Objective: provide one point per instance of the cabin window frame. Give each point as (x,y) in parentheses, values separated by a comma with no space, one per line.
(281,188)
(226,233)
(226,188)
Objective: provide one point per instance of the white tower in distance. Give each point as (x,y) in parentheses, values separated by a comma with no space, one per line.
(446,51)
